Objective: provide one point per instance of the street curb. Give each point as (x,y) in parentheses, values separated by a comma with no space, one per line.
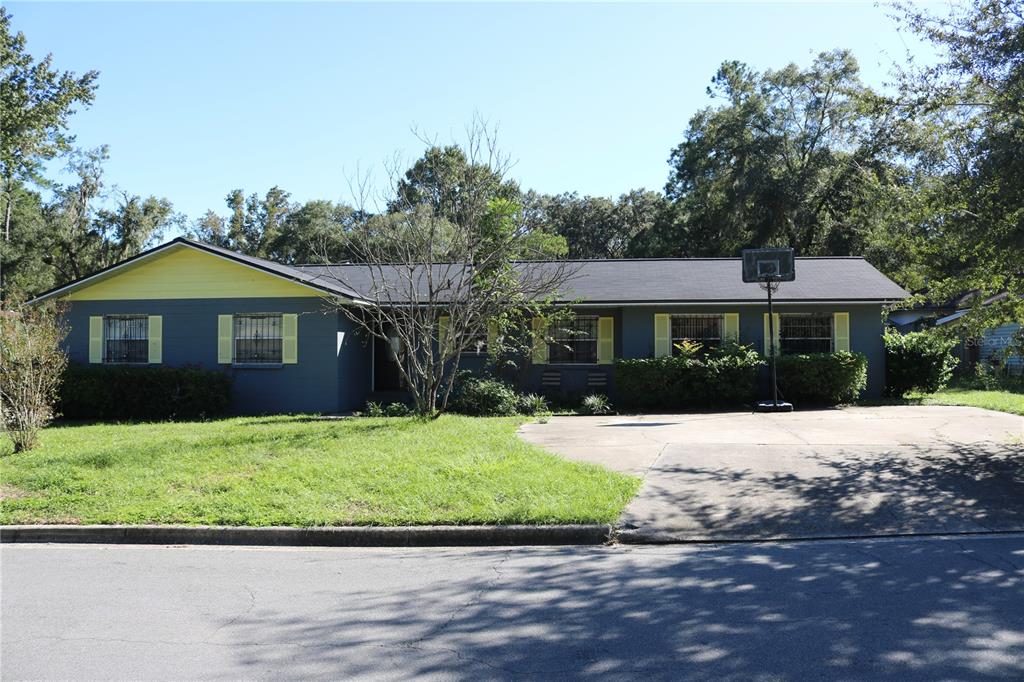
(646,537)
(340,536)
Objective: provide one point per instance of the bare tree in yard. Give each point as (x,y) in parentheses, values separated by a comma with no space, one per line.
(439,276)
(31,366)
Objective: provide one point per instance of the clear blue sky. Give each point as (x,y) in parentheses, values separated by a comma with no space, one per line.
(197,99)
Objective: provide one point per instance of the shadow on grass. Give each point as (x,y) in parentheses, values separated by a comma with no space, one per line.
(866,610)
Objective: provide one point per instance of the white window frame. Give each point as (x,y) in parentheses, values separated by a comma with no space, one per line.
(236,338)
(107,319)
(832,333)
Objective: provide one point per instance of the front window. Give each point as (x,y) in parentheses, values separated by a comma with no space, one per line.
(257,339)
(126,338)
(805,333)
(477,345)
(574,341)
(703,329)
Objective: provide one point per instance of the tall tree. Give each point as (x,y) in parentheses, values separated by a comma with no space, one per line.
(792,157)
(36,103)
(450,182)
(973,99)
(441,267)
(598,227)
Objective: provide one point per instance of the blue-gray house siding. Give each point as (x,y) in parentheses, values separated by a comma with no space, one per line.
(334,372)
(995,342)
(328,377)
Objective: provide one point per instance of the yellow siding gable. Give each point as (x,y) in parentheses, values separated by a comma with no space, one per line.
(185,272)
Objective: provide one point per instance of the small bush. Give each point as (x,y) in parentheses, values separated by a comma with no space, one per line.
(143,393)
(722,376)
(533,405)
(822,378)
(31,368)
(596,404)
(986,377)
(483,397)
(919,361)
(397,410)
(373,409)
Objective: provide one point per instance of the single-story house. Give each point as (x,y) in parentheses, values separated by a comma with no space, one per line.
(271,327)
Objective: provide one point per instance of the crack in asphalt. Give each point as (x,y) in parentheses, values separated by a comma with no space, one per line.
(477,597)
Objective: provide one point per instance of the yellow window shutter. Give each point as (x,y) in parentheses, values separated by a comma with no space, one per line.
(289,338)
(95,339)
(662,335)
(842,331)
(767,342)
(224,339)
(540,342)
(156,339)
(442,330)
(605,340)
(732,326)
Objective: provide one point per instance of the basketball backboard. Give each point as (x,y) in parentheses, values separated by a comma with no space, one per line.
(768,265)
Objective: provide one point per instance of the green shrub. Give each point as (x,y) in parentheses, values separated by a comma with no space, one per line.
(143,393)
(986,377)
(722,376)
(596,404)
(373,409)
(532,404)
(397,410)
(919,361)
(822,378)
(478,396)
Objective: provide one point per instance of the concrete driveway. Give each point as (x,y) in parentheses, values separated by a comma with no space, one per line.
(859,471)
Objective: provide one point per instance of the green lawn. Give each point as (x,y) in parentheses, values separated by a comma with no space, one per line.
(303,471)
(1003,401)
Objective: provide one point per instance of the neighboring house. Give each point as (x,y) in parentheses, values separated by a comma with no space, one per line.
(924,315)
(995,346)
(270,326)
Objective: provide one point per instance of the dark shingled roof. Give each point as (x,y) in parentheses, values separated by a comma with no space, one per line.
(682,280)
(644,280)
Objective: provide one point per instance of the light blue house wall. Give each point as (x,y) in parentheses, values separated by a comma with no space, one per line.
(334,364)
(334,372)
(994,343)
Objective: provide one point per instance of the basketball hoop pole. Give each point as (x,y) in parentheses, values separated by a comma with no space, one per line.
(771,343)
(768,267)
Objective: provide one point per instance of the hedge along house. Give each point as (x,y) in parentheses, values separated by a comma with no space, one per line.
(271,327)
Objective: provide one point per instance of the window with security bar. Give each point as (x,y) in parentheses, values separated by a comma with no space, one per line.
(477,345)
(805,333)
(703,329)
(126,338)
(574,341)
(257,339)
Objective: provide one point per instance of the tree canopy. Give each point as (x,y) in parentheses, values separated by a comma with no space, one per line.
(925,178)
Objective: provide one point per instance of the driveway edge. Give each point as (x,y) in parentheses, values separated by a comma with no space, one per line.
(339,536)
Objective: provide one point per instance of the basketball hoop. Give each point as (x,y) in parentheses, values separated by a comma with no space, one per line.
(769,268)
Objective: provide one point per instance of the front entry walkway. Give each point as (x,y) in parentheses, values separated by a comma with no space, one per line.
(857,471)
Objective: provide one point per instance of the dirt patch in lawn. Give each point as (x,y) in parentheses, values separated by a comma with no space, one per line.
(11,492)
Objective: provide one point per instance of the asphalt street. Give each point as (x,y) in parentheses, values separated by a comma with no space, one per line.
(926,608)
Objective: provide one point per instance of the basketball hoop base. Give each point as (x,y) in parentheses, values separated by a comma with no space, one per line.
(769,406)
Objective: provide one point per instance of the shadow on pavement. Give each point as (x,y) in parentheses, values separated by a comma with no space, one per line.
(835,491)
(827,610)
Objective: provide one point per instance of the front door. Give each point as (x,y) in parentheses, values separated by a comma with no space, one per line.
(385,366)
